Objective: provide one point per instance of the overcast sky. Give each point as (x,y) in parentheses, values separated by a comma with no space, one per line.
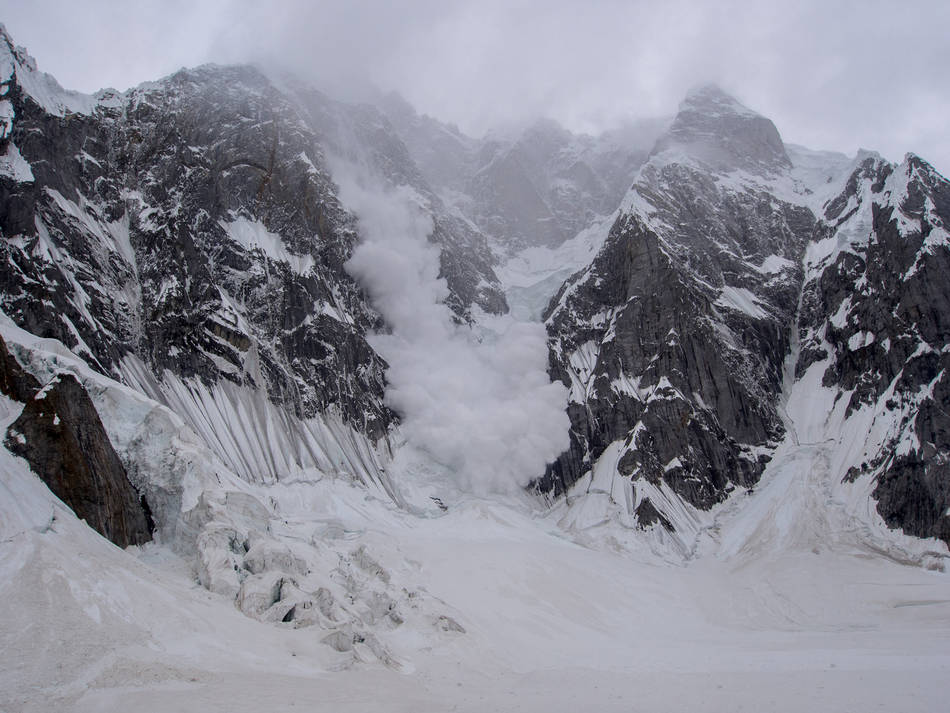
(834,75)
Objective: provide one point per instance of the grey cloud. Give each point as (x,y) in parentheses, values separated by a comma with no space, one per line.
(837,75)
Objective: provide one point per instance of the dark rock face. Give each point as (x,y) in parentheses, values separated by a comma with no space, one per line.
(15,382)
(687,402)
(649,361)
(879,312)
(59,433)
(648,515)
(673,339)
(191,223)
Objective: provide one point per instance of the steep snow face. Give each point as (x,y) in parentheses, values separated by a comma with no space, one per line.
(532,276)
(12,165)
(17,65)
(253,235)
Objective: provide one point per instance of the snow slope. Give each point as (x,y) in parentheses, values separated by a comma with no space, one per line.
(488,604)
(533,275)
(549,624)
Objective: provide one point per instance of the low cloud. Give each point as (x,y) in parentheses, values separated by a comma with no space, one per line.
(841,75)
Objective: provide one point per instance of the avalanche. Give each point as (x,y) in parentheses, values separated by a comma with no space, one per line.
(501,609)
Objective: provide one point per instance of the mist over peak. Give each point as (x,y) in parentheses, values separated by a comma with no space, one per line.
(818,74)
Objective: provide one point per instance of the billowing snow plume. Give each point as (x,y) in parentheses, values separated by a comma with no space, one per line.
(479,401)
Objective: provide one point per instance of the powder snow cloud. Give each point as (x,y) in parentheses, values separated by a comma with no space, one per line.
(478,400)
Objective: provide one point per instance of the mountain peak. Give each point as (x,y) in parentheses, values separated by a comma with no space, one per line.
(17,66)
(11,55)
(712,99)
(715,128)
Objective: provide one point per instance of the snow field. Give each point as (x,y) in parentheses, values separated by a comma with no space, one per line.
(554,617)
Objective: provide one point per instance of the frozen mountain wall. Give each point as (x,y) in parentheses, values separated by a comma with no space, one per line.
(728,273)
(186,238)
(189,224)
(874,323)
(673,339)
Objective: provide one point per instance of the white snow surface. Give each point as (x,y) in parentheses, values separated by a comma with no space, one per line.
(532,276)
(788,598)
(40,86)
(741,300)
(13,165)
(253,235)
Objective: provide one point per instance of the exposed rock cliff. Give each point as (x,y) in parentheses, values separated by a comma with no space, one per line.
(59,433)
(673,339)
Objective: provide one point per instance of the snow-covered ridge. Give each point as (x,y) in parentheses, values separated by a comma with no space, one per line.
(42,88)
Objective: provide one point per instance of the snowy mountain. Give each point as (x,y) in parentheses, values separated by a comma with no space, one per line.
(161,237)
(312,402)
(733,277)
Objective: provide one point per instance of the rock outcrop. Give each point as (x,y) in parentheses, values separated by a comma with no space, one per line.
(61,436)
(876,318)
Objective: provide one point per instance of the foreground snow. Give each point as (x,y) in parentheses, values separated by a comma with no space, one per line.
(787,598)
(550,625)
